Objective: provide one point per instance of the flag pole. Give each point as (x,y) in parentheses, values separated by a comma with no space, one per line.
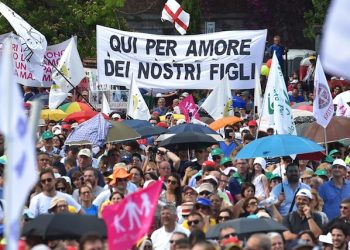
(325,140)
(77,91)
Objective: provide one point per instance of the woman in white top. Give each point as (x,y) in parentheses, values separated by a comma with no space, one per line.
(259,179)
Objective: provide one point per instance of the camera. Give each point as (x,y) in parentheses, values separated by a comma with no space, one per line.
(153,149)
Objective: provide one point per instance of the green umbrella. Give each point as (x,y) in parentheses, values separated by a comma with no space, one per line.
(119,132)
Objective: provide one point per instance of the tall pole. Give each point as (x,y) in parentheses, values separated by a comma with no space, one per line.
(325,140)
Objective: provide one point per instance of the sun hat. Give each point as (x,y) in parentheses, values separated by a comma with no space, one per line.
(119,173)
(54,203)
(261,161)
(186,208)
(304,192)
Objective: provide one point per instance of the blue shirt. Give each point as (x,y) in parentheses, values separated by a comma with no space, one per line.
(332,197)
(93,210)
(296,99)
(289,194)
(228,148)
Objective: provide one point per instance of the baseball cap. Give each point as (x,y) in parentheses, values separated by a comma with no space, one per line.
(304,192)
(261,161)
(206,187)
(203,201)
(126,158)
(334,151)
(189,187)
(252,123)
(47,135)
(225,160)
(211,177)
(321,172)
(209,163)
(274,176)
(216,151)
(339,162)
(85,152)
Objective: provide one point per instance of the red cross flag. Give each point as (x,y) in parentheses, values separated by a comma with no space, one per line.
(173,12)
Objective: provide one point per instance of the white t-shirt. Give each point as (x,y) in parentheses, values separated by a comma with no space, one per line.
(160,238)
(40,203)
(104,196)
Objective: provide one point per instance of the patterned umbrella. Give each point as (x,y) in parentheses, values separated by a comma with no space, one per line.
(72,107)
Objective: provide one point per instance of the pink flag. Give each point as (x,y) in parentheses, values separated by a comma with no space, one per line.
(187,106)
(130,220)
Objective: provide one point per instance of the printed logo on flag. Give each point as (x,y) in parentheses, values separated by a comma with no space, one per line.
(324,97)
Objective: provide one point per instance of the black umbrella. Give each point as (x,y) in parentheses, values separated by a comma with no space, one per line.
(120,132)
(245,227)
(188,140)
(149,131)
(64,226)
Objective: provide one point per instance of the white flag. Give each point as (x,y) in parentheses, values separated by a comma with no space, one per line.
(335,51)
(219,103)
(21,169)
(323,101)
(257,93)
(35,41)
(137,107)
(72,68)
(174,13)
(105,106)
(276,105)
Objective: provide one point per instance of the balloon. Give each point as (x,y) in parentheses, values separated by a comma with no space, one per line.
(265,70)
(268,63)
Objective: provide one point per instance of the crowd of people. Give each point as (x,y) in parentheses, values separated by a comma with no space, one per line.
(202,188)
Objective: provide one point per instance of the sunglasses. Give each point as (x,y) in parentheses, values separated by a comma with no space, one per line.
(61,189)
(224,218)
(227,236)
(337,166)
(201,207)
(172,182)
(205,193)
(194,222)
(343,207)
(216,157)
(48,180)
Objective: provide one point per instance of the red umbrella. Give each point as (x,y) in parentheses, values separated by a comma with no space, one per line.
(82,116)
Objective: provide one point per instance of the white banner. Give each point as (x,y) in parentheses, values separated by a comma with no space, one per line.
(179,62)
(24,75)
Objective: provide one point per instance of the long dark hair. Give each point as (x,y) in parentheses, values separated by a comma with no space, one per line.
(178,189)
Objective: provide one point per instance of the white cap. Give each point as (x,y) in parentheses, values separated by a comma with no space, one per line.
(116,116)
(180,121)
(229,169)
(339,162)
(326,238)
(85,152)
(57,132)
(261,161)
(185,94)
(304,192)
(211,177)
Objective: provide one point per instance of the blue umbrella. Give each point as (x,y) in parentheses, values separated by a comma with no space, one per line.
(137,123)
(238,102)
(278,145)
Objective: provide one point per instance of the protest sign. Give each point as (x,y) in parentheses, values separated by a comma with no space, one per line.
(179,62)
(24,74)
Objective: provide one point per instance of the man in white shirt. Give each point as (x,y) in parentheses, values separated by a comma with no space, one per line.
(168,218)
(40,203)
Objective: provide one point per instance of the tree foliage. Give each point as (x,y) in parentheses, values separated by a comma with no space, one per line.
(193,8)
(58,20)
(315,17)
